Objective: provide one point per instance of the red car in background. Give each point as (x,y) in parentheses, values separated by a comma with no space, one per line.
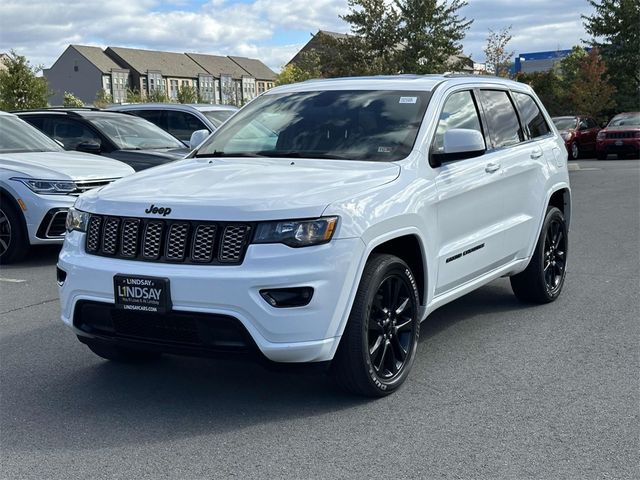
(579,134)
(621,136)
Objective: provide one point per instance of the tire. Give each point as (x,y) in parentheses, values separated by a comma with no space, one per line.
(120,354)
(386,307)
(543,279)
(574,151)
(14,242)
(601,155)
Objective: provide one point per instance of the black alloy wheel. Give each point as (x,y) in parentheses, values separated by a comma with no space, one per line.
(555,256)
(378,346)
(543,279)
(575,151)
(390,332)
(5,233)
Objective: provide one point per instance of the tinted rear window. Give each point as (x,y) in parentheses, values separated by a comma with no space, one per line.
(531,115)
(502,120)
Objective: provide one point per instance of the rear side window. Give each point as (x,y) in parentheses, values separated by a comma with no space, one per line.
(153,116)
(531,115)
(502,120)
(459,111)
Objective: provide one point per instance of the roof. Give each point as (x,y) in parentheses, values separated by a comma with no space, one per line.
(255,67)
(394,82)
(96,56)
(217,65)
(170,64)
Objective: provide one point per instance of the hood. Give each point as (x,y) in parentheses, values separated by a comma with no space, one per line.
(235,189)
(622,128)
(171,153)
(64,165)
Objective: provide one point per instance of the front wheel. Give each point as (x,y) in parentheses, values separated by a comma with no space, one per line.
(14,243)
(542,280)
(379,344)
(574,151)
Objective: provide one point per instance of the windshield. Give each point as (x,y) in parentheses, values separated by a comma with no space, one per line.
(134,133)
(217,117)
(565,123)
(632,120)
(339,124)
(18,136)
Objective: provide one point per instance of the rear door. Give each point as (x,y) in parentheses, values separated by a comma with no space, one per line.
(470,202)
(524,169)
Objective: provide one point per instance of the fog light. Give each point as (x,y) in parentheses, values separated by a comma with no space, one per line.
(287,297)
(61,276)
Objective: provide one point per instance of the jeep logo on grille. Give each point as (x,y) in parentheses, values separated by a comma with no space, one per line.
(164,211)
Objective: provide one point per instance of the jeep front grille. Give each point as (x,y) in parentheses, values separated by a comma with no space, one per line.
(174,241)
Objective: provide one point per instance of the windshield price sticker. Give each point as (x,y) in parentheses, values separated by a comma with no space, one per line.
(408,99)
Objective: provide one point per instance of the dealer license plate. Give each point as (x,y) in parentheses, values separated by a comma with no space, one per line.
(142,294)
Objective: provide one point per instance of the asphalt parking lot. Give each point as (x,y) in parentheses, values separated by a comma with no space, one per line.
(499,390)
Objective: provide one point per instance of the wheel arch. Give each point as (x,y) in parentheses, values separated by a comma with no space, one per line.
(6,196)
(561,199)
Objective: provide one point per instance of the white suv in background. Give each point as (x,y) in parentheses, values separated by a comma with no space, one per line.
(322,223)
(39,181)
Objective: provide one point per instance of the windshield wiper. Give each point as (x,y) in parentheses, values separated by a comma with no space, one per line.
(217,154)
(309,155)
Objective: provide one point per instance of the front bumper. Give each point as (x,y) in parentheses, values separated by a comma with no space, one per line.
(623,145)
(301,334)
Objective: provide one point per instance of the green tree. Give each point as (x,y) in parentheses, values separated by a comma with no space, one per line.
(103,99)
(157,96)
(70,100)
(498,58)
(375,27)
(20,87)
(430,33)
(549,88)
(569,67)
(615,30)
(591,92)
(187,94)
(134,96)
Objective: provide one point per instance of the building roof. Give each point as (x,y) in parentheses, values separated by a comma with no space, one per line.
(170,64)
(96,56)
(217,65)
(255,67)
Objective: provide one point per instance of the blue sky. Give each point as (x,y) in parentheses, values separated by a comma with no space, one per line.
(272,30)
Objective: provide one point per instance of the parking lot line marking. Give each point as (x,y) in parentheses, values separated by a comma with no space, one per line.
(12,280)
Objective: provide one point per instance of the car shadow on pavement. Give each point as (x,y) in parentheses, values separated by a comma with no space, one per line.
(76,400)
(39,256)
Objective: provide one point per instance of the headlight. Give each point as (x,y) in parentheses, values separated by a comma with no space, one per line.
(61,187)
(297,233)
(566,135)
(77,220)
(601,135)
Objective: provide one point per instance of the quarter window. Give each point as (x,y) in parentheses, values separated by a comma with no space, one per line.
(502,120)
(531,115)
(459,111)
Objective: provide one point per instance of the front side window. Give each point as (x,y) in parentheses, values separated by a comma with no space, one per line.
(340,124)
(459,111)
(132,133)
(532,117)
(502,120)
(181,125)
(18,136)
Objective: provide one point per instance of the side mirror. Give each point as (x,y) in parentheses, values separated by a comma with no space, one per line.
(89,147)
(459,143)
(198,137)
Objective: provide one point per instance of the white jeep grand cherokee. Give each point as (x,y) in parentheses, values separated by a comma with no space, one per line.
(323,223)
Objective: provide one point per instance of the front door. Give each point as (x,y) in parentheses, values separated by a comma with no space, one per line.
(470,203)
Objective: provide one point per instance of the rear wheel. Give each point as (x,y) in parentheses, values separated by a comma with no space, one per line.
(542,280)
(14,243)
(120,354)
(379,344)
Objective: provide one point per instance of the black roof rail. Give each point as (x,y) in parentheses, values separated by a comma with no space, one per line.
(69,110)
